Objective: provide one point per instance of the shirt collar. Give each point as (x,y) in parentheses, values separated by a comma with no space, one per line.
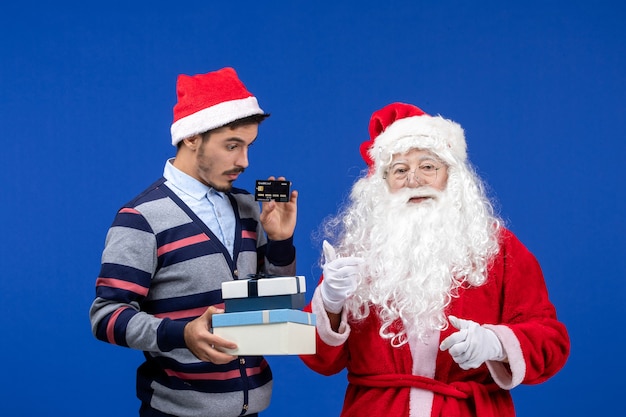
(187,183)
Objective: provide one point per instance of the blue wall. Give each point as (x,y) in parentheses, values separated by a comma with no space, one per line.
(85,107)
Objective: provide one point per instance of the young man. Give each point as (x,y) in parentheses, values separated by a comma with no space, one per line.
(432,305)
(169,249)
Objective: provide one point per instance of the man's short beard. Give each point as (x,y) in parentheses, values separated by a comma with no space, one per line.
(224,189)
(227,188)
(207,168)
(417,254)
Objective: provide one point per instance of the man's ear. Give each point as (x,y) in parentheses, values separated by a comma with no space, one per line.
(192,142)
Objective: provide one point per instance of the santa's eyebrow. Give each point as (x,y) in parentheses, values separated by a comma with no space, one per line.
(399,162)
(419,160)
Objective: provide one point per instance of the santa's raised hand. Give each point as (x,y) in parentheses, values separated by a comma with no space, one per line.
(340,275)
(472,345)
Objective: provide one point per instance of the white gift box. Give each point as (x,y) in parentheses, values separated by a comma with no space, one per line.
(263,287)
(267,332)
(264,293)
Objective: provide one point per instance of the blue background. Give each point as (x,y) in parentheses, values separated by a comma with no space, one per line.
(86,105)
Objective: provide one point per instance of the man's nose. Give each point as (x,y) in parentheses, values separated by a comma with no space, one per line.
(242,160)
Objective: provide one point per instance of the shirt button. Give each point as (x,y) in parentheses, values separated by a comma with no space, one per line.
(236,273)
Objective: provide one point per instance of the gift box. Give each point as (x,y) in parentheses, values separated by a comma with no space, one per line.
(274,302)
(267,332)
(264,294)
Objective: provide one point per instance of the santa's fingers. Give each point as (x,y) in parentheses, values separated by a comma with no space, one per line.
(459,323)
(329,252)
(456,338)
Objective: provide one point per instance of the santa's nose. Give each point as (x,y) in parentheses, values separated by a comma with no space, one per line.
(413,181)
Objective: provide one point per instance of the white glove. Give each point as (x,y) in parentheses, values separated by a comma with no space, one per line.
(339,278)
(472,345)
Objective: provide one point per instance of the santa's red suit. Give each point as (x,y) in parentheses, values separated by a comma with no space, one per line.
(419,380)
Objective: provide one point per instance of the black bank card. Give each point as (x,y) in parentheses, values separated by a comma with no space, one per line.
(268,190)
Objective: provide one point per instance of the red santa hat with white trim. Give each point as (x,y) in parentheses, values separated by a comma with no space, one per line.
(399,127)
(208,101)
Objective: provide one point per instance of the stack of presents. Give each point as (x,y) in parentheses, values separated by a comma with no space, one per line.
(263,316)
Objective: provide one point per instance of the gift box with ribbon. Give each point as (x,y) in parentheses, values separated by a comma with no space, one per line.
(264,293)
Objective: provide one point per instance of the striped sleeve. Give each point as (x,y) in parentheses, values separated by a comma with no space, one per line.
(128,263)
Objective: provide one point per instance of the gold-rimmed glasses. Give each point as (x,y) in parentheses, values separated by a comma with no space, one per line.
(425,174)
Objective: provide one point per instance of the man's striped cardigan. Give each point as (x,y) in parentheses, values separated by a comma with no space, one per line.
(161,268)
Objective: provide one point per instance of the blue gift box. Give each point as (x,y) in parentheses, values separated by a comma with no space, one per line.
(263,317)
(267,332)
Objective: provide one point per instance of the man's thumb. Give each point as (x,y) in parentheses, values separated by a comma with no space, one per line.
(210,311)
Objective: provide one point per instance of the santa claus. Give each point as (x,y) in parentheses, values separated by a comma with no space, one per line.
(429,302)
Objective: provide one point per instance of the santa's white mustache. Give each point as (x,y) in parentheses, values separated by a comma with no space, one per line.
(406,194)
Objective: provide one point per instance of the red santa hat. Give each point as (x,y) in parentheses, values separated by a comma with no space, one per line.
(208,101)
(398,127)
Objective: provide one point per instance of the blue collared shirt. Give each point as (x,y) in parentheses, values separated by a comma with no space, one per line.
(211,206)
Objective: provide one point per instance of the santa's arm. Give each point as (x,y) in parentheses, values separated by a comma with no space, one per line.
(536,342)
(331,354)
(508,373)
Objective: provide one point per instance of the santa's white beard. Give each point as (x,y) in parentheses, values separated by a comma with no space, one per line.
(416,256)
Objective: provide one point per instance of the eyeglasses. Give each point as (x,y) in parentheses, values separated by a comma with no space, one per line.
(425,174)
